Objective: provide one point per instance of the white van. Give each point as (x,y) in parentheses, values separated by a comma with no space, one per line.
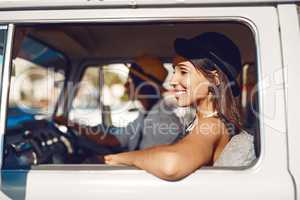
(46,45)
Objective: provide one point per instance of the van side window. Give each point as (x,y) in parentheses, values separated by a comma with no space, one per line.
(35,82)
(2,43)
(71,78)
(102,87)
(3,33)
(85,106)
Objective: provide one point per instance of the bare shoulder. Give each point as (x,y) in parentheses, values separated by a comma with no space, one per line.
(212,127)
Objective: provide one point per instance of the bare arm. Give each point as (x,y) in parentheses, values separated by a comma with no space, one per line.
(173,162)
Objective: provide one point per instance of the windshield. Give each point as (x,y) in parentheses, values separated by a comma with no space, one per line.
(37,79)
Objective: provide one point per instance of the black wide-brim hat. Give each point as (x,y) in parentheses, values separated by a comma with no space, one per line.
(217,48)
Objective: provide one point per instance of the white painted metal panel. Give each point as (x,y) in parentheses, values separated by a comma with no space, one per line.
(290,36)
(39,4)
(137,184)
(268,179)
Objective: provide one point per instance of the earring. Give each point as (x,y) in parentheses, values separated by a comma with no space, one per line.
(211,89)
(213,93)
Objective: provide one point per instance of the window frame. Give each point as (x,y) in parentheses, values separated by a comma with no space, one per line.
(82,65)
(4,83)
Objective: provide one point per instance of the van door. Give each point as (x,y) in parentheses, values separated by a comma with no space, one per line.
(268,178)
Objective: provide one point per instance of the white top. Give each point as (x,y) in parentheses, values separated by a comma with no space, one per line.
(239,152)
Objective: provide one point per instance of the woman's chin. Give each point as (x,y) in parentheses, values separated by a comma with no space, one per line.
(182,103)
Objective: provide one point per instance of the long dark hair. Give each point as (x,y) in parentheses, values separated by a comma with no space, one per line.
(224,102)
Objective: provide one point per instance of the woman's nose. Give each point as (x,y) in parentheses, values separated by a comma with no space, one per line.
(174,80)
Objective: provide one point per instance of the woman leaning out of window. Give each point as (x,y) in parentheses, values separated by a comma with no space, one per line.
(206,68)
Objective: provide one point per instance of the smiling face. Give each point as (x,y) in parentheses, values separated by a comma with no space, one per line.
(189,84)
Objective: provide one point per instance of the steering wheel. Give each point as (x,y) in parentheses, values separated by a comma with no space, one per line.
(45,142)
(85,148)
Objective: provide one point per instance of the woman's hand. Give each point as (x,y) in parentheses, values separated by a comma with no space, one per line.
(120,159)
